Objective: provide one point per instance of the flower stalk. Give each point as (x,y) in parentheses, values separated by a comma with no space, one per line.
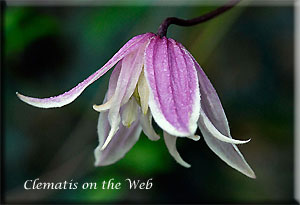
(163,28)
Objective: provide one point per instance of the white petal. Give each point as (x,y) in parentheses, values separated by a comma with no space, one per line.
(71,95)
(104,106)
(170,141)
(113,80)
(206,124)
(146,122)
(127,81)
(194,137)
(229,153)
(212,107)
(122,142)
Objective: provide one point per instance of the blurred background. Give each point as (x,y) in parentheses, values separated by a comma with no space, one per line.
(247,53)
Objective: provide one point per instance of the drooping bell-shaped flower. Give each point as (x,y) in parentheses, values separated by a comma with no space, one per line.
(155,77)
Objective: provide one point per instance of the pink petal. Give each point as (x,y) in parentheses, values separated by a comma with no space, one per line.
(212,109)
(113,80)
(70,96)
(122,142)
(174,92)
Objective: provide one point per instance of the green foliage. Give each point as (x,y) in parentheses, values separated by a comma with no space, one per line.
(24,25)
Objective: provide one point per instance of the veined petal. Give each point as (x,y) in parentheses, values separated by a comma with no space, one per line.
(129,74)
(130,112)
(71,95)
(212,107)
(136,69)
(146,122)
(229,153)
(174,97)
(122,142)
(171,145)
(113,80)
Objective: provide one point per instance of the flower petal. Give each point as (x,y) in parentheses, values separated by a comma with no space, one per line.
(146,122)
(122,142)
(194,137)
(174,91)
(113,80)
(171,145)
(229,153)
(212,107)
(127,81)
(206,124)
(71,95)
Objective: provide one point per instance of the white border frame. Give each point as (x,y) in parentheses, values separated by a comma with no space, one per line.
(297,102)
(295,3)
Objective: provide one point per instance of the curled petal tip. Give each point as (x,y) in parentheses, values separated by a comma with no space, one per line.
(19,95)
(33,101)
(207,125)
(104,106)
(234,141)
(171,145)
(95,107)
(187,165)
(194,137)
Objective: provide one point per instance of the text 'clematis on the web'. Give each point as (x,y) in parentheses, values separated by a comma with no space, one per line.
(155,77)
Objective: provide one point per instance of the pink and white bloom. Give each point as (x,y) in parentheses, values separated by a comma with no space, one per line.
(155,77)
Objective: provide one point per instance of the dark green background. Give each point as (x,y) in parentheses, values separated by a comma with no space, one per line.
(247,54)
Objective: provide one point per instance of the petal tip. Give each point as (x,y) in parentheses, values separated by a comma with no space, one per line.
(20,96)
(187,165)
(109,138)
(27,100)
(241,141)
(104,106)
(95,107)
(194,137)
(251,174)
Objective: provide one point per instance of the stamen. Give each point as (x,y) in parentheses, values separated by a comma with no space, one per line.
(143,92)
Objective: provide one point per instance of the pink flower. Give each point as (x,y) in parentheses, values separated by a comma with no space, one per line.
(155,77)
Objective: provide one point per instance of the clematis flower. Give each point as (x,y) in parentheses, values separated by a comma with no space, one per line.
(155,77)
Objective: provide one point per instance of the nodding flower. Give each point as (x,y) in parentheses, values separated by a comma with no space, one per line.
(155,77)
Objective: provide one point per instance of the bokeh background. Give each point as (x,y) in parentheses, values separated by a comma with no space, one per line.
(247,54)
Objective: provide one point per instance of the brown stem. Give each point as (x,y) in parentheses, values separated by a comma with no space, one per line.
(162,30)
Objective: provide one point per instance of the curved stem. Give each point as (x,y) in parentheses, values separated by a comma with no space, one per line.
(162,30)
